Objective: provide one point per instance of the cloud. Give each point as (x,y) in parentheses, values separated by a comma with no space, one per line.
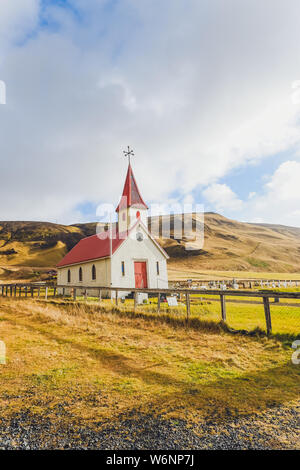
(197,90)
(280,198)
(17,18)
(222,197)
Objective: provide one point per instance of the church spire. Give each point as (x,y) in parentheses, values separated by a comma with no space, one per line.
(131,196)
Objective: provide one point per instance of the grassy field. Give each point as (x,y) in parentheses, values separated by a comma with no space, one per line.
(97,362)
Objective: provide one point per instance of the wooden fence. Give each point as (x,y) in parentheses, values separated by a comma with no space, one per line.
(14,290)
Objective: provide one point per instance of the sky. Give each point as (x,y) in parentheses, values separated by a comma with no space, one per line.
(206,92)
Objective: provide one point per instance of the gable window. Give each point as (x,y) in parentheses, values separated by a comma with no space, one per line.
(80,274)
(123,268)
(69,275)
(157,268)
(94,272)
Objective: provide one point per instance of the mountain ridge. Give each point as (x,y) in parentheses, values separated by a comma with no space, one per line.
(229,245)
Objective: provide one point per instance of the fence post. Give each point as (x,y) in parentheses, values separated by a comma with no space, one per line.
(223,307)
(85,294)
(46,293)
(267,314)
(54,292)
(39,292)
(188,306)
(74,294)
(100,295)
(11,291)
(63,291)
(116,297)
(15,291)
(20,291)
(26,293)
(32,291)
(158,303)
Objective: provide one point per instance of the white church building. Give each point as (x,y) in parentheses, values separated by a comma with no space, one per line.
(125,256)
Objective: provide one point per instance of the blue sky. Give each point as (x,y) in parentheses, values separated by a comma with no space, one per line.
(207,93)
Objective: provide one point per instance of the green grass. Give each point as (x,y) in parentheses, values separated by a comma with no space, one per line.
(206,308)
(240,316)
(257,263)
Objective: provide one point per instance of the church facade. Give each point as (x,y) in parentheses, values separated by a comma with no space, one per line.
(126,256)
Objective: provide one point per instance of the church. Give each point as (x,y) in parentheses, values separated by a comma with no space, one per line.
(124,256)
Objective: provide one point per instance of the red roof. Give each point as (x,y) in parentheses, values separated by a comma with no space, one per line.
(93,247)
(131,195)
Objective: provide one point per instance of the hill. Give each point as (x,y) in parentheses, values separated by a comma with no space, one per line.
(230,245)
(32,249)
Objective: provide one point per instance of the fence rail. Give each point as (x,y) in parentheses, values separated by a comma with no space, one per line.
(29,289)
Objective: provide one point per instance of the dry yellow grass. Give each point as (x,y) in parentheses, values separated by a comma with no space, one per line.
(96,363)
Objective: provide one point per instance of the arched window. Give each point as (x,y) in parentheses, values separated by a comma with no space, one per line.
(80,274)
(93,272)
(69,275)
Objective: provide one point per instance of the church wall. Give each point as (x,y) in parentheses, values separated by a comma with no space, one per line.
(143,215)
(128,217)
(102,275)
(132,250)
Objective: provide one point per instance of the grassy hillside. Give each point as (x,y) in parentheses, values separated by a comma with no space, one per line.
(236,246)
(30,249)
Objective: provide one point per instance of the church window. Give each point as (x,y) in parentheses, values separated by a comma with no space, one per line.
(80,274)
(69,275)
(94,272)
(138,214)
(157,268)
(123,268)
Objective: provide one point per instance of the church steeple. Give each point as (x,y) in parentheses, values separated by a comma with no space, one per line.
(131,195)
(131,206)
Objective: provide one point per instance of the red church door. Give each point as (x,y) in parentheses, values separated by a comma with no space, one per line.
(140,274)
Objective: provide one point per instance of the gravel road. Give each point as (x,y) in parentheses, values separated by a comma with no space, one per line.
(277,428)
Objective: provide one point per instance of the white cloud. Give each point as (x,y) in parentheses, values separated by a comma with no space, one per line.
(17,18)
(197,91)
(222,197)
(280,198)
